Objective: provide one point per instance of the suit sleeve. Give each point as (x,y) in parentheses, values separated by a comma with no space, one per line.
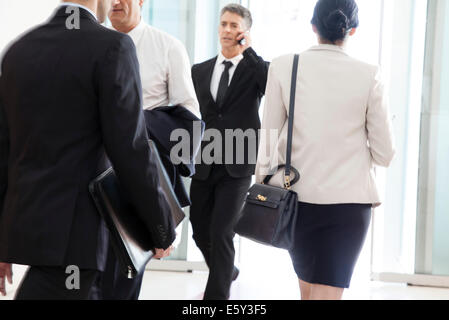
(378,125)
(193,75)
(260,66)
(4,153)
(274,119)
(126,139)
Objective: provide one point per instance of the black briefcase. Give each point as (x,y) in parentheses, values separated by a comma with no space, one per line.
(130,239)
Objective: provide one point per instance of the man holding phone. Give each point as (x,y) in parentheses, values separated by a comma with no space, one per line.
(229,88)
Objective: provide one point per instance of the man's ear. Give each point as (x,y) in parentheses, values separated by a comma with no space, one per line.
(353,31)
(314,28)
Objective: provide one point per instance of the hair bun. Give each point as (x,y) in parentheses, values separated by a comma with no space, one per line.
(334,18)
(337,20)
(336,25)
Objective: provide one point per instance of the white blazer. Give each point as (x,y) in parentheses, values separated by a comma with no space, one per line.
(342,127)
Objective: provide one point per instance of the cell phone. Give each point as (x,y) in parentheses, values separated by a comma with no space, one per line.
(242,42)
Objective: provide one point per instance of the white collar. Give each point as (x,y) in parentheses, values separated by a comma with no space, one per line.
(71,4)
(235,61)
(330,47)
(137,31)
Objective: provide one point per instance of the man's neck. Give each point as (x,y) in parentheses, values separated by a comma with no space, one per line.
(230,53)
(126,28)
(91,4)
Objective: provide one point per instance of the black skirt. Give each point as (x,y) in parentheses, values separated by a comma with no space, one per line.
(328,242)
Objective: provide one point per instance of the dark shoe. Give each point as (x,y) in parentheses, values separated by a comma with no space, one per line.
(235,274)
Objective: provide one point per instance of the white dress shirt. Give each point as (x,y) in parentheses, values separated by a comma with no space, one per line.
(342,126)
(165,69)
(71,4)
(218,71)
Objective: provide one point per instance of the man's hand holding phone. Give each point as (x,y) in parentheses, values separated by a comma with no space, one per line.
(244,40)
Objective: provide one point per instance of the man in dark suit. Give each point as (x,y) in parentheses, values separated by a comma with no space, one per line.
(229,88)
(70,101)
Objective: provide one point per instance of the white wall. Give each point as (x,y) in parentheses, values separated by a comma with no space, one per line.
(17,16)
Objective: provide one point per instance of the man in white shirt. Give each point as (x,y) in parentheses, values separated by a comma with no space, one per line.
(166,81)
(164,63)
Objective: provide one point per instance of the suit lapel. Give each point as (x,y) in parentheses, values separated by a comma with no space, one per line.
(209,71)
(235,80)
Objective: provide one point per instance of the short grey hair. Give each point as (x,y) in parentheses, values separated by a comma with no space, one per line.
(241,11)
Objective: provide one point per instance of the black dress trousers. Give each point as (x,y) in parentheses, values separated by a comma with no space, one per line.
(216,204)
(50,283)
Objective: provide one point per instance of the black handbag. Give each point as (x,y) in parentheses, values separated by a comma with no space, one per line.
(269,213)
(130,239)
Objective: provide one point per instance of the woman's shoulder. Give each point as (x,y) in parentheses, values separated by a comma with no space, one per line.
(344,58)
(283,59)
(364,65)
(282,64)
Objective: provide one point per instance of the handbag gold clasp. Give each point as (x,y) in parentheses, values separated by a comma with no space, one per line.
(287,185)
(262,198)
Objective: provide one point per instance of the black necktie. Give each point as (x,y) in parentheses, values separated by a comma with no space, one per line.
(224,83)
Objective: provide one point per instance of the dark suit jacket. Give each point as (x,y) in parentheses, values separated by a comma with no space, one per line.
(161,123)
(70,99)
(240,110)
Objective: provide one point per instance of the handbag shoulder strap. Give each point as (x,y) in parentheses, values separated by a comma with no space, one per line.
(291,117)
(288,166)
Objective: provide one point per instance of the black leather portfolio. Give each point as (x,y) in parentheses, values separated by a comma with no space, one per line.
(130,239)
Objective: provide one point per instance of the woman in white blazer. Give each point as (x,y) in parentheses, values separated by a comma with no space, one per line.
(342,129)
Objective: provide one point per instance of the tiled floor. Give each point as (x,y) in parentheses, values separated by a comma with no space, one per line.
(266,274)
(191,286)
